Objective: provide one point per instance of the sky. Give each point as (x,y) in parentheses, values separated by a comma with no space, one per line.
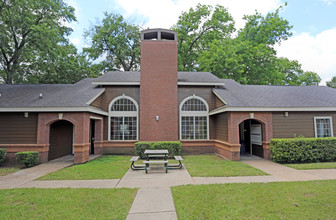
(313,42)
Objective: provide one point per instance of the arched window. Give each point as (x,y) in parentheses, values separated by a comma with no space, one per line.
(194,119)
(123,119)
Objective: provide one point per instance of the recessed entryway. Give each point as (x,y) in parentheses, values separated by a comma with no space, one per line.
(250,137)
(61,139)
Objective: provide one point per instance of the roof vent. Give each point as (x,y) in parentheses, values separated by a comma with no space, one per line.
(0,95)
(41,95)
(159,34)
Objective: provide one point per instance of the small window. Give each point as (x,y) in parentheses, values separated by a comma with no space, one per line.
(323,127)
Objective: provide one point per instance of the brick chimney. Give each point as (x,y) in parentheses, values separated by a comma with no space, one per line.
(158,86)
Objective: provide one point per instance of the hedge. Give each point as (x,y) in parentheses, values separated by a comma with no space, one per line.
(303,150)
(173,147)
(28,158)
(3,153)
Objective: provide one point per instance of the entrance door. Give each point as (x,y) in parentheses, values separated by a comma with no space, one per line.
(92,135)
(250,134)
(61,139)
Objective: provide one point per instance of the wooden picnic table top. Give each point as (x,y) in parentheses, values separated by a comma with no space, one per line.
(156,152)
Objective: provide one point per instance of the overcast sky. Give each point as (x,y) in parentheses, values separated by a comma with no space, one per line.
(313,42)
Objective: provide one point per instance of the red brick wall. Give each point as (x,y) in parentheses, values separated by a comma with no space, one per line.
(158,91)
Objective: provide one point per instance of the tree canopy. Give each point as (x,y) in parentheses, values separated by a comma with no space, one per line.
(332,82)
(34,47)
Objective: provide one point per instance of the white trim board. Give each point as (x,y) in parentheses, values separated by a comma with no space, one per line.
(271,109)
(178,83)
(330,121)
(55,109)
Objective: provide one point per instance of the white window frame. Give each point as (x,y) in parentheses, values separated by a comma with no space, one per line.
(331,124)
(123,114)
(194,113)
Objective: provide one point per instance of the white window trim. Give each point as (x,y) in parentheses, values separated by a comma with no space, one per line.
(123,114)
(324,117)
(194,113)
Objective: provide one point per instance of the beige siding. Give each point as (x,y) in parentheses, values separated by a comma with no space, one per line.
(297,123)
(16,129)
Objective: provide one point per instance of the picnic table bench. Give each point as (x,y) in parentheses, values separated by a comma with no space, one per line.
(147,162)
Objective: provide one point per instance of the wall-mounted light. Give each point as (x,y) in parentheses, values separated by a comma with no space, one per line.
(0,95)
(157,118)
(60,116)
(26,114)
(286,114)
(41,95)
(251,115)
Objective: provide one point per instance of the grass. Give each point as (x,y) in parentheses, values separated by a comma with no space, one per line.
(66,203)
(281,200)
(215,166)
(8,170)
(104,167)
(312,166)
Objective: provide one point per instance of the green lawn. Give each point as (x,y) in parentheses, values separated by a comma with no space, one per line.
(104,167)
(8,170)
(312,166)
(215,166)
(65,203)
(281,200)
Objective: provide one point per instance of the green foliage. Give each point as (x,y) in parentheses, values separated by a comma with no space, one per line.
(116,38)
(28,158)
(332,82)
(303,150)
(173,147)
(196,29)
(3,153)
(30,29)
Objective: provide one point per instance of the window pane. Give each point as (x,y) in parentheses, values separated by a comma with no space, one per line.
(194,127)
(130,128)
(123,104)
(194,105)
(323,127)
(116,128)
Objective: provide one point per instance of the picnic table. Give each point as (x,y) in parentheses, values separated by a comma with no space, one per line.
(154,154)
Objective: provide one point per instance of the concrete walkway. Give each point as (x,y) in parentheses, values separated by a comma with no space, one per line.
(25,177)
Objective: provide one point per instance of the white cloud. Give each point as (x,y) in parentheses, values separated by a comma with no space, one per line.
(163,14)
(329,2)
(315,53)
(75,41)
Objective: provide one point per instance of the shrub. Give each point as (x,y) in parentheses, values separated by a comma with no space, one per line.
(28,158)
(303,150)
(173,147)
(3,153)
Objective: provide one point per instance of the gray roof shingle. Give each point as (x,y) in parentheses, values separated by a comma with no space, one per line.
(237,95)
(53,95)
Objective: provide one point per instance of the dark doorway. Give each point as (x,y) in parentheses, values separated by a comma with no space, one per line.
(92,135)
(61,139)
(250,136)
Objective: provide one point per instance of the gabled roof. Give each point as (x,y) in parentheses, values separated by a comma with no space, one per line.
(133,78)
(19,96)
(237,96)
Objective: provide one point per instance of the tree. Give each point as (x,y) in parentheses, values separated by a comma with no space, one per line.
(250,57)
(118,40)
(332,82)
(28,29)
(196,29)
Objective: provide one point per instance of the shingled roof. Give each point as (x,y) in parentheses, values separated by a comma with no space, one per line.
(237,95)
(53,95)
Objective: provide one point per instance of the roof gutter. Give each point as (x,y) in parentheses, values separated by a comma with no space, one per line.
(271,109)
(56,109)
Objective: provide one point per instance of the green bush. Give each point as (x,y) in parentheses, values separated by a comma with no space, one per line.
(303,150)
(3,153)
(28,158)
(173,147)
